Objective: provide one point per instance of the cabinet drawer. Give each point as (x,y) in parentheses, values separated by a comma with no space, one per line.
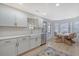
(7,42)
(23,38)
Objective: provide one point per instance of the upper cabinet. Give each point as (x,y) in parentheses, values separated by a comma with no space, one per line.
(35,22)
(21,19)
(23,44)
(7,17)
(12,17)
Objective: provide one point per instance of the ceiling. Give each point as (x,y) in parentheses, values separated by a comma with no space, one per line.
(50,10)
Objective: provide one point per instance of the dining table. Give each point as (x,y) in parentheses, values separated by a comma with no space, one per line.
(67,38)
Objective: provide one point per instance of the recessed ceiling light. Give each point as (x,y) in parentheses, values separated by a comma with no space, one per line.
(44,13)
(37,10)
(57,4)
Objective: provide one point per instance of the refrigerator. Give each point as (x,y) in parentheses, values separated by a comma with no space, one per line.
(44,33)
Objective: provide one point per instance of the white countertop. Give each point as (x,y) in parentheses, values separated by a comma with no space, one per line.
(10,37)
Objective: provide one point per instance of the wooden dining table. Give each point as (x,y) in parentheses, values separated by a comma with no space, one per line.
(66,38)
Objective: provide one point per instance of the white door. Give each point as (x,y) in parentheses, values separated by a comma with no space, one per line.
(23,44)
(35,41)
(8,47)
(7,17)
(21,19)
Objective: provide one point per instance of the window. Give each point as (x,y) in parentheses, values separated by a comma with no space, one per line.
(64,28)
(57,28)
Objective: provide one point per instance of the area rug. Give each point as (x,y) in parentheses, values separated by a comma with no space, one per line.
(49,51)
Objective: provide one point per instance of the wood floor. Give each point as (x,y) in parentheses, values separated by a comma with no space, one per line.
(34,51)
(71,50)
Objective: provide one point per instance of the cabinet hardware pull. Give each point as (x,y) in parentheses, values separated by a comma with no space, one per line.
(7,41)
(24,39)
(17,44)
(36,39)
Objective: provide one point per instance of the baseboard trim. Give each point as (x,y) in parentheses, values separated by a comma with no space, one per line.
(42,44)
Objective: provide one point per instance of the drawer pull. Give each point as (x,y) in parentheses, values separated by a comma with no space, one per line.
(17,44)
(36,39)
(7,42)
(24,39)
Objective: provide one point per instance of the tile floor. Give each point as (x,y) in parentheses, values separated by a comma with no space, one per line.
(55,49)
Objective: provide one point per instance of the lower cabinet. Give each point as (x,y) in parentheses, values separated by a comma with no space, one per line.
(23,44)
(38,41)
(12,47)
(27,43)
(35,42)
(32,42)
(8,47)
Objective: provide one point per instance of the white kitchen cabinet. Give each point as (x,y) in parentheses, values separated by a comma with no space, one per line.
(21,19)
(23,44)
(32,42)
(7,17)
(35,42)
(8,47)
(38,41)
(40,22)
(12,17)
(33,21)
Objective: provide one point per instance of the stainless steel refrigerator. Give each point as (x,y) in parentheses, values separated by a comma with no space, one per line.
(44,33)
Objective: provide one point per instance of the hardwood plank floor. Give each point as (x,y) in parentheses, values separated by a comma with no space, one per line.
(71,50)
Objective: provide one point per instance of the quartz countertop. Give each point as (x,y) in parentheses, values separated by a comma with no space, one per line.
(10,37)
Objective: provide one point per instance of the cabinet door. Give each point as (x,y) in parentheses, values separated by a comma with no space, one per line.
(7,17)
(40,22)
(32,43)
(35,42)
(21,19)
(38,41)
(23,44)
(8,47)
